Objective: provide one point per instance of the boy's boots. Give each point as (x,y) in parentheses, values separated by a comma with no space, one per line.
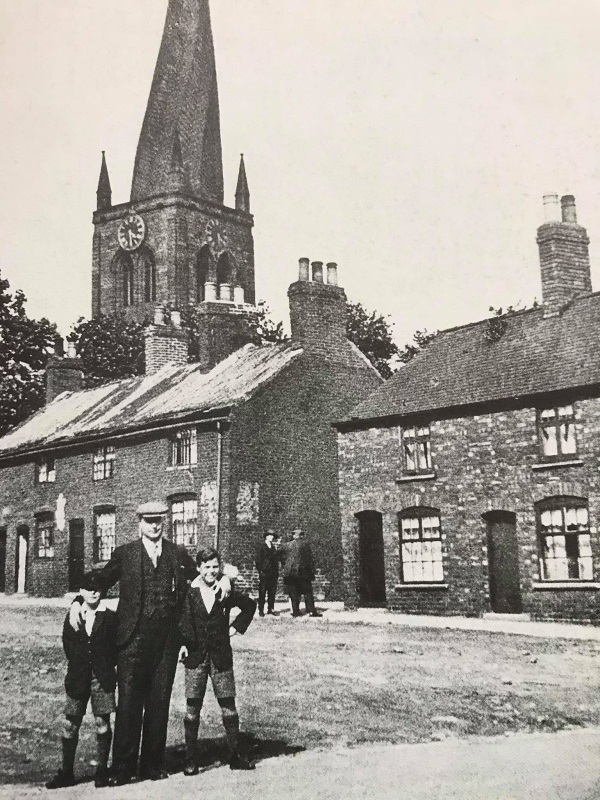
(64,777)
(190,728)
(102,776)
(231,723)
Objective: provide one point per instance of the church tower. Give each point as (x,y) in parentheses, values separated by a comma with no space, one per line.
(175,243)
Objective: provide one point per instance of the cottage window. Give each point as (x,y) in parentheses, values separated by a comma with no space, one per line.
(565,540)
(104,534)
(420,546)
(184,449)
(184,520)
(416,448)
(46,470)
(45,535)
(557,432)
(104,463)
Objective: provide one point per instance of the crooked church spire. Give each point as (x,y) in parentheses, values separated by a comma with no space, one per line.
(183,104)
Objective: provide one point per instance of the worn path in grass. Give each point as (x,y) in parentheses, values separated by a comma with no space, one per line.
(323,700)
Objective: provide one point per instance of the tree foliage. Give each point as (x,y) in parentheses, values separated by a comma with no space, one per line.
(420,340)
(25,345)
(372,334)
(109,347)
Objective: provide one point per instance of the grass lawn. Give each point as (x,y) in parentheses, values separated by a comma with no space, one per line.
(310,683)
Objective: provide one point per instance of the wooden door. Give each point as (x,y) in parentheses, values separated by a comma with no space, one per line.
(503,561)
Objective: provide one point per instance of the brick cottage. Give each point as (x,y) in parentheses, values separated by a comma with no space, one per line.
(240,441)
(470,481)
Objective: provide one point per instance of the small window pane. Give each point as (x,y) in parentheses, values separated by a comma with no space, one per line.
(567,438)
(549,442)
(104,535)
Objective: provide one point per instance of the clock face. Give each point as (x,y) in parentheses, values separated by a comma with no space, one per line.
(215,236)
(132,231)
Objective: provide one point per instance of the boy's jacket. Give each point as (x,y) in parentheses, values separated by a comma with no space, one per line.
(207,633)
(86,654)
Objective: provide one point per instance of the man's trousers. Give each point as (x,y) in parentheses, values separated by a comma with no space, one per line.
(146,668)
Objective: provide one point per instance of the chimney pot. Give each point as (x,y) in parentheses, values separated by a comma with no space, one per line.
(210,291)
(332,277)
(569,211)
(317,271)
(239,297)
(225,292)
(551,212)
(71,352)
(176,319)
(303,273)
(159,315)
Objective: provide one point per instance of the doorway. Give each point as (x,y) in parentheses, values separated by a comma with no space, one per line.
(22,559)
(76,554)
(371,564)
(503,562)
(2,559)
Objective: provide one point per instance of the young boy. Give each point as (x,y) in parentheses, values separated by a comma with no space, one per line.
(206,629)
(91,655)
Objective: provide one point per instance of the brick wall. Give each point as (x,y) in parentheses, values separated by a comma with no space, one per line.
(141,474)
(482,463)
(284,448)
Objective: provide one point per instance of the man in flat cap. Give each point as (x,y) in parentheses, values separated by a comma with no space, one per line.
(152,574)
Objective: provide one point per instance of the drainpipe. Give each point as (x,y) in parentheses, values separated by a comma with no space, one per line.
(219,479)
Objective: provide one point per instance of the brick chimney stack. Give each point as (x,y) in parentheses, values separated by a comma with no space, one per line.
(564,255)
(63,373)
(166,343)
(318,309)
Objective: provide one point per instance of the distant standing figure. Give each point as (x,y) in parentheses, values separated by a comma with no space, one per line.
(267,566)
(299,573)
(91,653)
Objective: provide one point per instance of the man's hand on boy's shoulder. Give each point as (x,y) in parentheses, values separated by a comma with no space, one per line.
(76,614)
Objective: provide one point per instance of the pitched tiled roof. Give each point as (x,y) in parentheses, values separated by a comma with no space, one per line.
(462,366)
(137,403)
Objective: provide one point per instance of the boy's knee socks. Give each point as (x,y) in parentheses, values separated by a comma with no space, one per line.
(103,741)
(69,746)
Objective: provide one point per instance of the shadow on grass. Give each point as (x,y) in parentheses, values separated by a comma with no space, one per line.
(214,752)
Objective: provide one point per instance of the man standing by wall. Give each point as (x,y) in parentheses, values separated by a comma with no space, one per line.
(267,566)
(152,574)
(299,573)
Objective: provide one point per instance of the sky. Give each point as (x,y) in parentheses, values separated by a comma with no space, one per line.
(411,141)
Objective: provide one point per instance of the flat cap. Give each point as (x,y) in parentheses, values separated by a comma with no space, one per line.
(152,509)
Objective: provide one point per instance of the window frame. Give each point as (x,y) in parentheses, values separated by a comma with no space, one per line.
(49,471)
(128,283)
(100,458)
(45,521)
(419,513)
(564,503)
(175,450)
(174,500)
(417,438)
(97,539)
(556,423)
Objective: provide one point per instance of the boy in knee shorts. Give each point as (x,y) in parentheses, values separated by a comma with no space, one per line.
(206,630)
(91,655)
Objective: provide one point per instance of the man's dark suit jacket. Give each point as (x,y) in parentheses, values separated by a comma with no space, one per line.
(267,561)
(86,654)
(125,566)
(298,561)
(208,634)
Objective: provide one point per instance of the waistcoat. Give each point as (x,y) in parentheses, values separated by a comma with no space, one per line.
(158,586)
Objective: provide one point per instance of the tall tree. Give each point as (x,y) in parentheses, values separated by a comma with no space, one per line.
(420,340)
(109,347)
(372,334)
(25,345)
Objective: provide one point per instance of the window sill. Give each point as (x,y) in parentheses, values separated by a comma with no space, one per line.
(181,467)
(575,462)
(401,587)
(425,476)
(563,586)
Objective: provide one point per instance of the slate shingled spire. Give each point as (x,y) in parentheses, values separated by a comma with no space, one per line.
(183,99)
